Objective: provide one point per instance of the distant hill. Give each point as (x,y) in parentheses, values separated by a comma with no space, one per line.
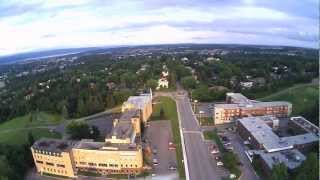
(169,47)
(42,54)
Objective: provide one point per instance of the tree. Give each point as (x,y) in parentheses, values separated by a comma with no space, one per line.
(30,139)
(81,130)
(78,130)
(162,115)
(279,172)
(188,82)
(110,101)
(309,169)
(151,83)
(5,169)
(81,108)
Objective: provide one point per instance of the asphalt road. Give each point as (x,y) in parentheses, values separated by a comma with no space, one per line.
(199,164)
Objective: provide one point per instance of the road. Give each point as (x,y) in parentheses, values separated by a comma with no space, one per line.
(199,164)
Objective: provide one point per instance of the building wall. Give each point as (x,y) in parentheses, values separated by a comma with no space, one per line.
(222,115)
(246,135)
(53,163)
(108,161)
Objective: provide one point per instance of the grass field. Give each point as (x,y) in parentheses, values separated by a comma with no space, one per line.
(208,135)
(15,131)
(170,113)
(302,97)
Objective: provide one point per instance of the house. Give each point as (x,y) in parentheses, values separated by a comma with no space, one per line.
(246,84)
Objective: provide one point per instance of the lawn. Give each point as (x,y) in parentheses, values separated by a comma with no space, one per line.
(206,121)
(208,135)
(303,97)
(20,136)
(170,113)
(15,131)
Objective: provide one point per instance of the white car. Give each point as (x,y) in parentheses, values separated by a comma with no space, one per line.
(155,162)
(219,163)
(214,151)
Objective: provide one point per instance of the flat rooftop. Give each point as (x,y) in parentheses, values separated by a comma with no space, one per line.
(53,145)
(305,124)
(139,101)
(238,97)
(270,141)
(124,129)
(290,158)
(104,146)
(264,134)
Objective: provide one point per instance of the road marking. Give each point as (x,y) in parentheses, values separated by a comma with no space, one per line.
(192,132)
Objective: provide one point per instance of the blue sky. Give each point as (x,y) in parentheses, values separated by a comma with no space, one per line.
(29,25)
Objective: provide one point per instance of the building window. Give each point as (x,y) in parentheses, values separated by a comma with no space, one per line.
(83,163)
(61,165)
(92,164)
(50,164)
(40,162)
(103,165)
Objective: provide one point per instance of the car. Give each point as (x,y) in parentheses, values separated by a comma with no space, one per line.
(246,142)
(155,161)
(172,166)
(154,151)
(171,146)
(214,151)
(239,164)
(217,158)
(229,147)
(225,139)
(219,163)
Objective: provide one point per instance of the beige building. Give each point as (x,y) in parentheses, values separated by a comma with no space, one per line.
(238,106)
(142,103)
(53,156)
(120,153)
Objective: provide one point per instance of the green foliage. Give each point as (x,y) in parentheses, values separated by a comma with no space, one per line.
(14,161)
(162,115)
(279,172)
(304,99)
(151,83)
(81,130)
(203,94)
(309,169)
(188,82)
(230,161)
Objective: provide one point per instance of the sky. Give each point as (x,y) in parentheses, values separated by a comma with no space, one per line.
(32,25)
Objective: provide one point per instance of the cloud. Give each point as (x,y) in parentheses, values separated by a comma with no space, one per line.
(45,24)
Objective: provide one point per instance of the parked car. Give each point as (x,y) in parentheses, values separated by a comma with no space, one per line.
(217,158)
(229,147)
(214,151)
(172,166)
(172,146)
(155,161)
(154,151)
(219,163)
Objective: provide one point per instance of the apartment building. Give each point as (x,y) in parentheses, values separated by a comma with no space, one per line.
(238,106)
(120,153)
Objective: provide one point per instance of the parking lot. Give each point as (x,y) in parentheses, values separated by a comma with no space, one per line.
(239,148)
(159,135)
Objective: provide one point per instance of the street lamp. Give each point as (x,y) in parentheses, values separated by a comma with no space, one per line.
(194,105)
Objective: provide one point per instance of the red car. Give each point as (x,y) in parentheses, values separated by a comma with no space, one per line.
(172,146)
